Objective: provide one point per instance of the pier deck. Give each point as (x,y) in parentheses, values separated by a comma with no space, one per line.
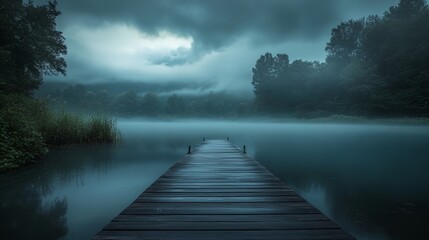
(216,192)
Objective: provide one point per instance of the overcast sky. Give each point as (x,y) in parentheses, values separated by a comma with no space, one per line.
(198,42)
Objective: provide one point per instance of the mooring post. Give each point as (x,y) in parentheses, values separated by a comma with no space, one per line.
(227,138)
(204,139)
(244,149)
(189,150)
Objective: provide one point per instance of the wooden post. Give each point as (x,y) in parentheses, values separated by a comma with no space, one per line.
(204,139)
(227,138)
(244,149)
(189,150)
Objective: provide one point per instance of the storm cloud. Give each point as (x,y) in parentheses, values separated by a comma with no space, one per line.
(211,41)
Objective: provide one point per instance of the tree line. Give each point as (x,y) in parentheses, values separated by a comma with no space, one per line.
(375,66)
(130,103)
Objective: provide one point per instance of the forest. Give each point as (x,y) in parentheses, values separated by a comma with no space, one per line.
(376,66)
(130,103)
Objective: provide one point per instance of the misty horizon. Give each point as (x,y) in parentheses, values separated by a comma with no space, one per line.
(299,119)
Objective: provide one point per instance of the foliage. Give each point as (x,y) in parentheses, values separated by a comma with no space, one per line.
(28,127)
(267,71)
(30,45)
(376,66)
(127,103)
(150,104)
(346,41)
(80,98)
(20,140)
(174,105)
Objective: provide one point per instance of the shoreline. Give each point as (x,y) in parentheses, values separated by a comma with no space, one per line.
(339,119)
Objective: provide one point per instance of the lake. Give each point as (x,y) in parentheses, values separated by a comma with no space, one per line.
(369,178)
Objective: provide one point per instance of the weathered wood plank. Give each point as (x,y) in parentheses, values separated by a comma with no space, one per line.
(218,193)
(315,234)
(219,185)
(219,208)
(217,190)
(220,218)
(219,226)
(271,199)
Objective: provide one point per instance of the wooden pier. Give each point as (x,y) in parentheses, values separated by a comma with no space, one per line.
(217,192)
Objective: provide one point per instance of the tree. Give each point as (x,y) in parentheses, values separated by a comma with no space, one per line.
(127,103)
(174,105)
(398,48)
(103,99)
(265,76)
(407,9)
(150,103)
(345,43)
(30,45)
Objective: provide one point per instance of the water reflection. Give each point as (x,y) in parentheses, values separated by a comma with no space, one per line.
(110,180)
(371,179)
(24,214)
(76,191)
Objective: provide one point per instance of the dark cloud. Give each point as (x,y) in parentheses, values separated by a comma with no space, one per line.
(216,23)
(228,36)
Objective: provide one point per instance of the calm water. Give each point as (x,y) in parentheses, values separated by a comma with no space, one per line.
(371,179)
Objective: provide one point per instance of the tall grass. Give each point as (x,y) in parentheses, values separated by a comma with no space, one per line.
(63,128)
(27,127)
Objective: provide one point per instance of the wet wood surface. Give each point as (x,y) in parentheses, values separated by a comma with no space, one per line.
(217,192)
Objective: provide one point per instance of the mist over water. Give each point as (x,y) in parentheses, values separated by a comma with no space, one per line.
(370,179)
(279,71)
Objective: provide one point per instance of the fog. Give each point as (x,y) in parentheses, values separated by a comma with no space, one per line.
(99,98)
(368,178)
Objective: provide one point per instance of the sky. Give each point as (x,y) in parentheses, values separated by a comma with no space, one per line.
(197,45)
